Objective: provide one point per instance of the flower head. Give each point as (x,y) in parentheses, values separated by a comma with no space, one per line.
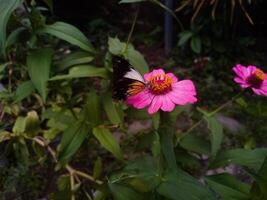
(163,91)
(252,77)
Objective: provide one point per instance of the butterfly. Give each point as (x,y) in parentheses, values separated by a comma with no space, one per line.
(126,80)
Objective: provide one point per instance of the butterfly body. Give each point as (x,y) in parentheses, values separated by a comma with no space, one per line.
(126,80)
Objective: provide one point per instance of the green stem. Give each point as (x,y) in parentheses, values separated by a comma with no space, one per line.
(72,185)
(87,176)
(71,171)
(211,114)
(170,11)
(225,104)
(131,32)
(124,178)
(166,133)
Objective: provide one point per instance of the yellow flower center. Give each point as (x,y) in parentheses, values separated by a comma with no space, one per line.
(160,84)
(256,78)
(260,75)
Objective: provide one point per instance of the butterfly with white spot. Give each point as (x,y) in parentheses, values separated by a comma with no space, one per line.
(126,80)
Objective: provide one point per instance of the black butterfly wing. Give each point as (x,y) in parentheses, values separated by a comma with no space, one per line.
(123,84)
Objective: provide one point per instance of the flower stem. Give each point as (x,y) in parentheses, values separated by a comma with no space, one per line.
(87,176)
(166,133)
(72,185)
(225,104)
(210,115)
(170,11)
(131,32)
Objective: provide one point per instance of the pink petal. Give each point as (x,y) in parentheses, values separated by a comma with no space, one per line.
(262,90)
(167,104)
(244,72)
(240,71)
(144,102)
(182,98)
(155,72)
(241,82)
(185,85)
(183,92)
(155,104)
(147,76)
(140,100)
(174,78)
(251,69)
(259,91)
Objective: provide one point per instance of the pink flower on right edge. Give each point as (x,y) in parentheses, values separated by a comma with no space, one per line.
(252,77)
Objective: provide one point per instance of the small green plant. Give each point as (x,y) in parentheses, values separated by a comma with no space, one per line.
(191,37)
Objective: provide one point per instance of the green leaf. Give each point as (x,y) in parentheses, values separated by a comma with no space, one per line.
(184,37)
(4,135)
(71,141)
(145,168)
(23,90)
(19,126)
(115,46)
(91,111)
(68,33)
(137,60)
(244,157)
(122,192)
(64,189)
(195,143)
(181,186)
(13,37)
(39,63)
(111,109)
(50,5)
(82,71)
(196,44)
(259,188)
(100,195)
(21,151)
(3,66)
(98,167)
(187,160)
(134,57)
(107,140)
(6,9)
(37,20)
(241,101)
(58,118)
(216,130)
(32,123)
(131,1)
(75,58)
(139,185)
(228,186)
(63,182)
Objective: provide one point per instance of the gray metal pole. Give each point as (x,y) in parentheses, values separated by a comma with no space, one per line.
(168,28)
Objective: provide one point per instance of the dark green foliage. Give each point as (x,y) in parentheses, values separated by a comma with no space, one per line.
(62,136)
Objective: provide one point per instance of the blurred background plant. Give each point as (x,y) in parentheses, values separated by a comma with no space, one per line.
(63,137)
(213,6)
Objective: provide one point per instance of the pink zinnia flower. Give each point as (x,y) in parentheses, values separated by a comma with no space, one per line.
(163,91)
(253,77)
